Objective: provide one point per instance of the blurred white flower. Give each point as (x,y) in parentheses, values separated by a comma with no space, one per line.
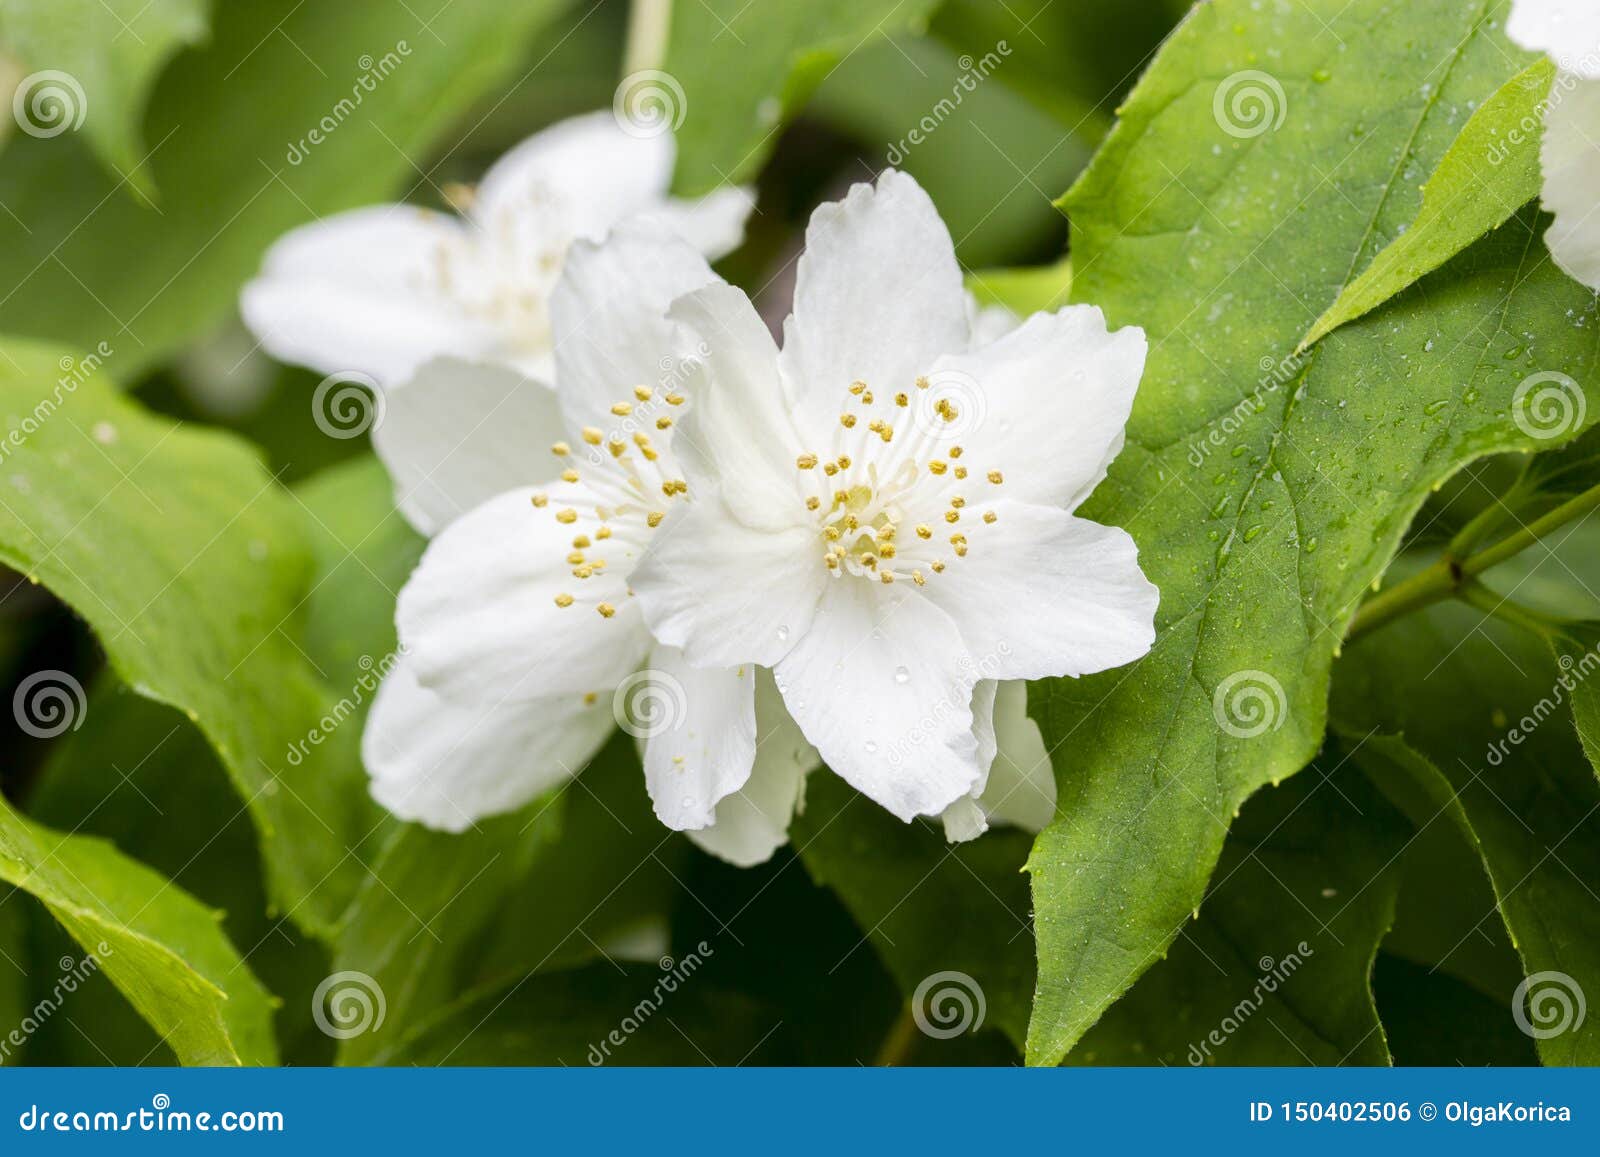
(381,290)
(1568,31)
(881,513)
(519,624)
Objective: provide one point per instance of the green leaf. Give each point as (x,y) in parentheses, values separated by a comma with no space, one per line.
(1488,749)
(1268,491)
(158,945)
(929,907)
(1433,1019)
(186,560)
(111,52)
(83,265)
(1024,291)
(736,72)
(1490,172)
(1274,970)
(13,971)
(602,1014)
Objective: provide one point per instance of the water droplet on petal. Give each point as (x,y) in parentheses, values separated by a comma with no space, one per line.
(901,675)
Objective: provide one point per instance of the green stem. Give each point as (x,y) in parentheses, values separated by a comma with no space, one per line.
(900,1039)
(1451,575)
(1475,594)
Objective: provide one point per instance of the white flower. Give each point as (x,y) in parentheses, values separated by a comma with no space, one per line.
(1569,32)
(519,627)
(882,514)
(381,290)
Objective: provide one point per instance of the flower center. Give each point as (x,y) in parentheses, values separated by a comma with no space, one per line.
(620,496)
(891,495)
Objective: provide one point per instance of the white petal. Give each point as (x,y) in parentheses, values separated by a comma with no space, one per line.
(1568,31)
(1042,593)
(754,822)
(578,177)
(989,323)
(878,297)
(725,593)
(964,819)
(1019,788)
(737,435)
(1570,156)
(1045,405)
(714,224)
(609,317)
(446,764)
(362,292)
(882,685)
(479,614)
(458,433)
(699,731)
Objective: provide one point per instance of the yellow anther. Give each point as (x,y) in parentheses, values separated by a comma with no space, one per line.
(924,530)
(590,698)
(961,550)
(858,388)
(592,436)
(946,410)
(876,425)
(617,447)
(869,560)
(902,400)
(937,467)
(568,516)
(582,572)
(675,399)
(952,516)
(563,600)
(886,576)
(663,423)
(654,518)
(922,383)
(641,439)
(569,475)
(622,409)
(575,558)
(643,393)
(958,502)
(813,502)
(957,539)
(848,421)
(830,469)
(866,398)
(955,451)
(887,550)
(961,471)
(996,477)
(806,461)
(603,532)
(606,610)
(990,516)
(917,577)
(541,500)
(844,461)
(938,566)
(851,522)
(560,449)
(581,542)
(831,533)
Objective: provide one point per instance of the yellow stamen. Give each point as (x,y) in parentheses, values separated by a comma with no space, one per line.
(606,610)
(560,449)
(622,409)
(568,516)
(806,461)
(563,600)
